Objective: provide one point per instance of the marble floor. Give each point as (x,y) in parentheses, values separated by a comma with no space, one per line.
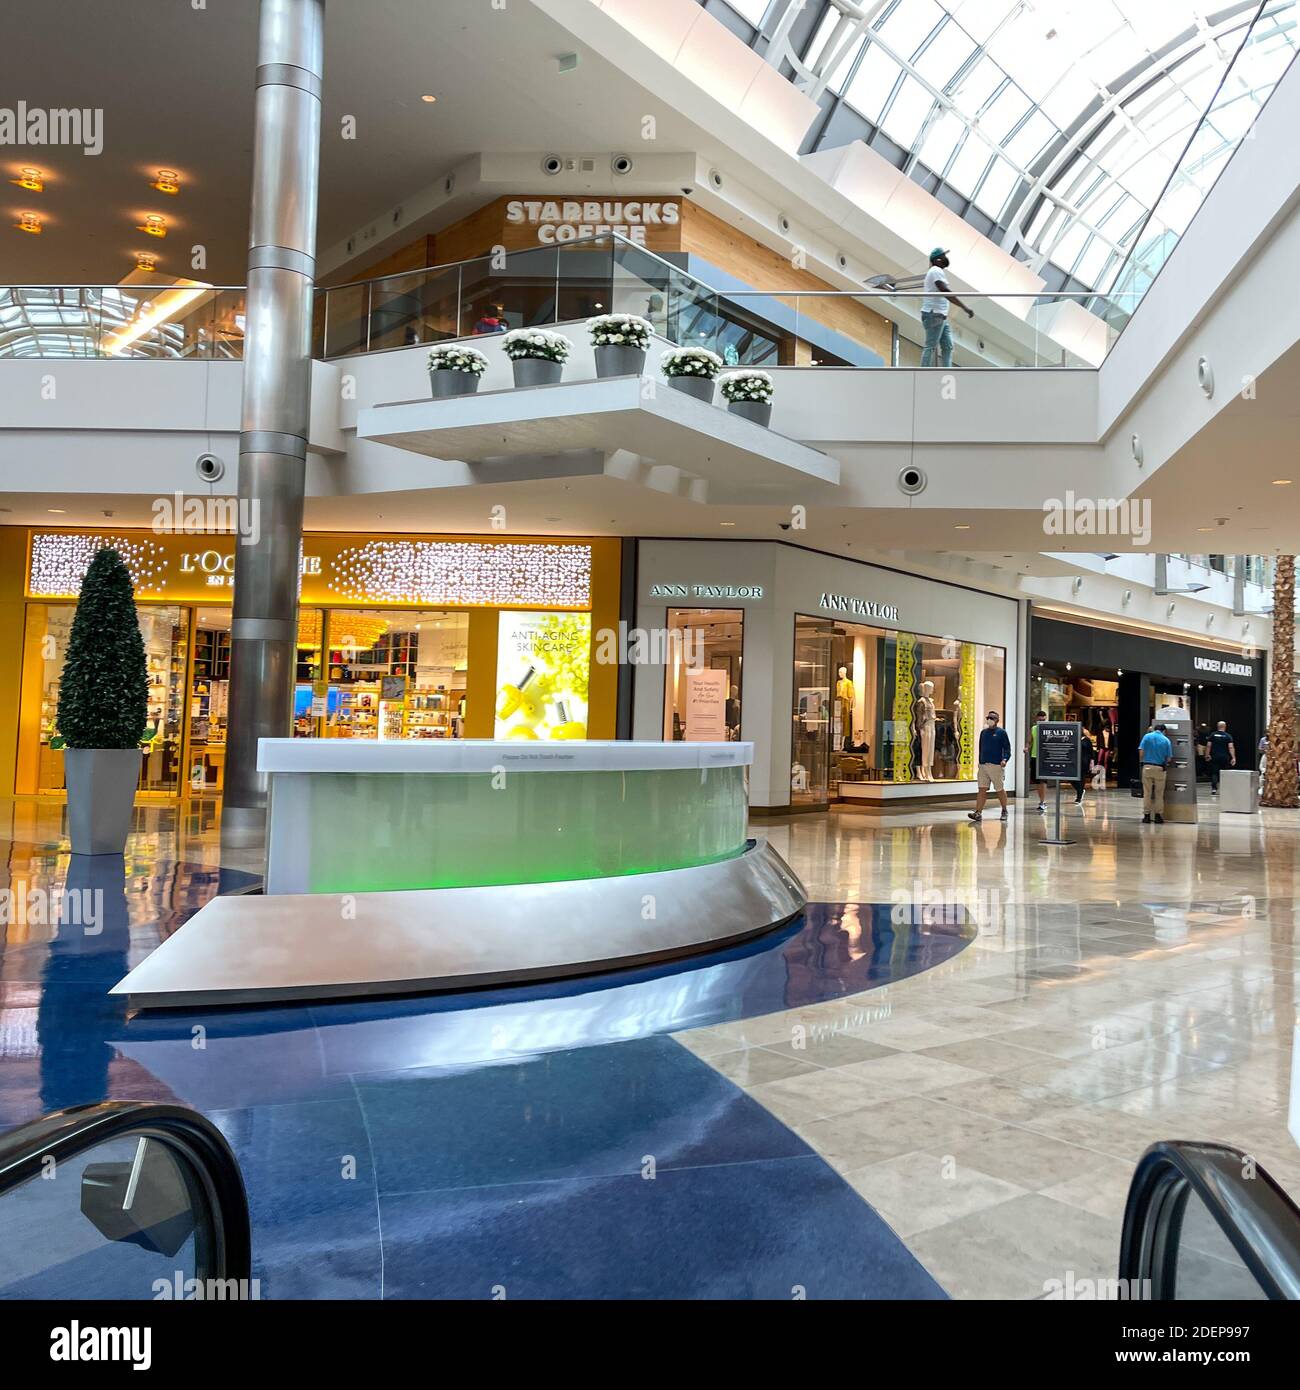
(940,1081)
(1137,985)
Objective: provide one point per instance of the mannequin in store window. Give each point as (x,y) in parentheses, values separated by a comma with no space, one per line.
(923,721)
(845,693)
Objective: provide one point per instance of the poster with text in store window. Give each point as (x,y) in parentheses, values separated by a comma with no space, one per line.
(543,670)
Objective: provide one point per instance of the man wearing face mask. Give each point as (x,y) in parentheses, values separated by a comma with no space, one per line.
(934,311)
(995,754)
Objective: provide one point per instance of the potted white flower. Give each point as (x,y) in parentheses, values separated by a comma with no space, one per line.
(621,342)
(692,369)
(749,393)
(455,370)
(538,355)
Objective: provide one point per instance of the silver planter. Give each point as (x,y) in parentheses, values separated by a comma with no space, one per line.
(537,371)
(444,383)
(615,359)
(701,387)
(760,412)
(101,795)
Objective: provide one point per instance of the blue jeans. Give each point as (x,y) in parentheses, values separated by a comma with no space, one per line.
(938,335)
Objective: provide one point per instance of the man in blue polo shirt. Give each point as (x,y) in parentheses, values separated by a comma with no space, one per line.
(1155,753)
(995,754)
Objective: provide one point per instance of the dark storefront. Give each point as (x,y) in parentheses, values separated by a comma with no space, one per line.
(1116,682)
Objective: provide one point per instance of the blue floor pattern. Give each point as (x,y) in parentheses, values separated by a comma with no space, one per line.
(546,1141)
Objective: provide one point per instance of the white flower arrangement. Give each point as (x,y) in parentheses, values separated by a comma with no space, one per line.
(454,358)
(620,330)
(747,385)
(536,342)
(691,361)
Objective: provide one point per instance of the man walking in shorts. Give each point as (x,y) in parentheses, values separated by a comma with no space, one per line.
(995,754)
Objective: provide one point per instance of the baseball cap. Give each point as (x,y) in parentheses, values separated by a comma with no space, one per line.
(937,252)
(992,714)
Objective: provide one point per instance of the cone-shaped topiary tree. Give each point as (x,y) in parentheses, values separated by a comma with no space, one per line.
(104,694)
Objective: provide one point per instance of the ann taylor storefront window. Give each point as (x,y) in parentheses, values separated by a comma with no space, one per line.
(872,705)
(702,681)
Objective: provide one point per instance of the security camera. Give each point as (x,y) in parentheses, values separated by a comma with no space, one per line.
(552,165)
(688,191)
(621,164)
(210,468)
(785,525)
(911,480)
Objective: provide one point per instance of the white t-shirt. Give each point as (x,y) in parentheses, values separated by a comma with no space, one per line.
(934,301)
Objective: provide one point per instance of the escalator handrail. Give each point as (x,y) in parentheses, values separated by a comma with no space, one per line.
(63,1134)
(1258,1218)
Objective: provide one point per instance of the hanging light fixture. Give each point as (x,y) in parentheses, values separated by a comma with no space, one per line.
(168,181)
(30,179)
(29,222)
(154,224)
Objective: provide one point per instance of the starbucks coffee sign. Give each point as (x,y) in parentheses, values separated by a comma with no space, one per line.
(567,219)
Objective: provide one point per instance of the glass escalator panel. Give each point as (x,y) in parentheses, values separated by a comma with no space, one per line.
(121,1201)
(1206,1264)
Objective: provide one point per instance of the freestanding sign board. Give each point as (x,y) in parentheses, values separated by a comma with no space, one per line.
(1060,753)
(1060,750)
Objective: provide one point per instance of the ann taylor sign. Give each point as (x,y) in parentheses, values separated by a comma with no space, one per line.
(706,591)
(860,607)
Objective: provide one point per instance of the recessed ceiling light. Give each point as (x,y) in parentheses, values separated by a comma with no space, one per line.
(1281,482)
(726,523)
(154,224)
(57,511)
(1205,528)
(428,96)
(168,181)
(30,179)
(961,526)
(29,222)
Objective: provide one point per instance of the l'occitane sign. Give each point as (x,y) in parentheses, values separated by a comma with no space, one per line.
(402,571)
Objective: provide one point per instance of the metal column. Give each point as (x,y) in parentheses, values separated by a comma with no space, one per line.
(276,397)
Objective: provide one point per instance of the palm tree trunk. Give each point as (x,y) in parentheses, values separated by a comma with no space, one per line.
(1280,782)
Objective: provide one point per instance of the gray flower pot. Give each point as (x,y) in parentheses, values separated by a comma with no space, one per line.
(101,795)
(701,387)
(760,412)
(444,382)
(617,359)
(537,371)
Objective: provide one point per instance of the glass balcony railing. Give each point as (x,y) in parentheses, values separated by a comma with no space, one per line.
(874,327)
(202,322)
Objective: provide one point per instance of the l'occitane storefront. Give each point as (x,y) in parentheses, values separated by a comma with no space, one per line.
(398,637)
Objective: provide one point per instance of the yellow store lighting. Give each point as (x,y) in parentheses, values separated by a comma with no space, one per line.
(167,181)
(144,260)
(30,179)
(29,222)
(153,225)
